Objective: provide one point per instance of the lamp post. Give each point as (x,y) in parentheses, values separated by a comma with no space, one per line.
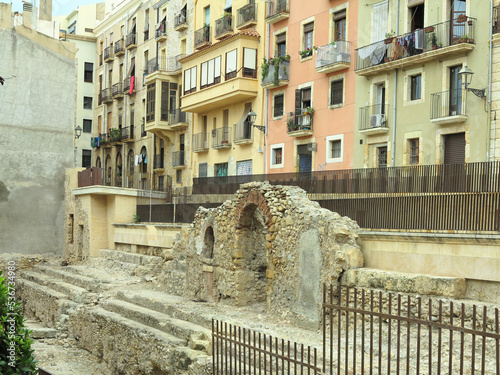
(252,116)
(465,75)
(78,133)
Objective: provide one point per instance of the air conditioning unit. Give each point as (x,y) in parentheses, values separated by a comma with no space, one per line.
(214,133)
(376,121)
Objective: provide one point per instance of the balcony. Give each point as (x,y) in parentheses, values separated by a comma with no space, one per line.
(373,119)
(200,142)
(178,159)
(243,133)
(434,42)
(180,21)
(221,138)
(300,125)
(163,68)
(115,136)
(277,10)
(496,19)
(223,26)
(247,16)
(448,107)
(270,79)
(127,82)
(333,57)
(106,96)
(127,134)
(120,47)
(130,41)
(108,54)
(100,59)
(177,119)
(202,37)
(159,163)
(104,140)
(161,31)
(117,90)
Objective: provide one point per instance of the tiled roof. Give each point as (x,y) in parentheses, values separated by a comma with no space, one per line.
(247,32)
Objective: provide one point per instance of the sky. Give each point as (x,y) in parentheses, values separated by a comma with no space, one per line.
(59,7)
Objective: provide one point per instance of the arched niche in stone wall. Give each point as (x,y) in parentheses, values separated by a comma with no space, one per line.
(208,243)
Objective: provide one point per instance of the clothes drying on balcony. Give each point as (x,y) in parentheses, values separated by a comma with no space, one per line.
(375,52)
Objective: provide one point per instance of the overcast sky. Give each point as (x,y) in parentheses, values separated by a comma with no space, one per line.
(59,7)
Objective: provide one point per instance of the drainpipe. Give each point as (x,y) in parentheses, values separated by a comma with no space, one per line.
(393,156)
(124,155)
(489,91)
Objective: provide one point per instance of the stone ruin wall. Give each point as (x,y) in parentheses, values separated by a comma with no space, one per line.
(269,246)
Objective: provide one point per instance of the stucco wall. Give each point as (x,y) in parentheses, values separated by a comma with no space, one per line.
(37,115)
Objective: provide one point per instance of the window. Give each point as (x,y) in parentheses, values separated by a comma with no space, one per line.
(210,72)
(206,11)
(334,152)
(335,147)
(415,87)
(244,168)
(87,102)
(150,104)
(86,158)
(380,15)
(380,99)
(178,176)
(339,27)
(190,80)
(220,170)
(249,62)
(281,45)
(88,73)
(202,170)
(337,92)
(146,25)
(414,150)
(308,37)
(231,64)
(99,123)
(417,17)
(302,100)
(382,156)
(87,126)
(277,155)
(164,101)
(278,105)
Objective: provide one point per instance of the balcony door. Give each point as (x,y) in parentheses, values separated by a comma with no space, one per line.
(457,8)
(455,91)
(380,99)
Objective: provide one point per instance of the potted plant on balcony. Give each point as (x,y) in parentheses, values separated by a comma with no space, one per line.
(389,37)
(306,53)
(291,124)
(432,40)
(309,111)
(276,61)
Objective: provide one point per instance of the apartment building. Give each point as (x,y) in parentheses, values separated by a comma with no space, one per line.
(142,137)
(221,88)
(311,81)
(413,103)
(78,27)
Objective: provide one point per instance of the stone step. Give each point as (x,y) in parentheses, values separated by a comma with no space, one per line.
(69,276)
(74,293)
(130,268)
(176,327)
(43,303)
(134,258)
(40,332)
(130,347)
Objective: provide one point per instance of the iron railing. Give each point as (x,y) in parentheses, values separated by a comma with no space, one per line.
(221,137)
(130,39)
(108,53)
(247,13)
(200,142)
(238,350)
(223,25)
(104,139)
(373,116)
(164,64)
(275,7)
(161,30)
(299,122)
(106,95)
(127,132)
(119,46)
(117,89)
(367,331)
(243,131)
(448,103)
(178,159)
(336,52)
(100,59)
(496,19)
(202,37)
(158,162)
(180,19)
(126,85)
(177,116)
(283,70)
(444,34)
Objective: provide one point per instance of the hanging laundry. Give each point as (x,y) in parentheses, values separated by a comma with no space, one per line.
(136,160)
(419,39)
(132,81)
(145,159)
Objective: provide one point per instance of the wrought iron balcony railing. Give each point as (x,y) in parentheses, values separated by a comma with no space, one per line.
(336,52)
(275,7)
(247,14)
(221,137)
(444,34)
(180,20)
(202,37)
(161,31)
(178,159)
(223,25)
(200,142)
(176,117)
(130,40)
(373,116)
(117,89)
(126,85)
(158,162)
(243,131)
(108,53)
(448,103)
(127,132)
(106,95)
(119,47)
(164,64)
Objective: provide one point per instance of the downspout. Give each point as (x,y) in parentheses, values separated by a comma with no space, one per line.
(489,91)
(393,156)
(124,155)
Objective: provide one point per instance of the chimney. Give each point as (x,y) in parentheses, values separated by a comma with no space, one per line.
(45,12)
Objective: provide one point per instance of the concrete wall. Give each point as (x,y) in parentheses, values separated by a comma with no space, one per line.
(37,105)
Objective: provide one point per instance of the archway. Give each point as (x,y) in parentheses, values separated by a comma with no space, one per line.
(208,265)
(251,257)
(119,170)
(107,170)
(98,162)
(131,165)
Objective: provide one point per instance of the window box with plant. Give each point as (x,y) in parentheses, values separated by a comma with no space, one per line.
(432,40)
(306,53)
(309,111)
(389,37)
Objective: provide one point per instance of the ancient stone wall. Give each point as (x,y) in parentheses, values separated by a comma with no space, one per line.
(269,246)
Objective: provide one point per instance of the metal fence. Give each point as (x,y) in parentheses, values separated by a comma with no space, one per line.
(238,350)
(367,331)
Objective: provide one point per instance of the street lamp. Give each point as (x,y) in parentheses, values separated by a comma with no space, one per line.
(465,75)
(78,133)
(252,116)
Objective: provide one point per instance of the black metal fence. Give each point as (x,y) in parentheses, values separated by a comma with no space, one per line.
(367,331)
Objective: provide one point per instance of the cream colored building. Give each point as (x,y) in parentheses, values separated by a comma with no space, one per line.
(221,85)
(411,105)
(143,137)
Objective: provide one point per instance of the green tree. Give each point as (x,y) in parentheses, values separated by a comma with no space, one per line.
(16,355)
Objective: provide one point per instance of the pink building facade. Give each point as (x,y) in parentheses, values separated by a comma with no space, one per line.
(311,85)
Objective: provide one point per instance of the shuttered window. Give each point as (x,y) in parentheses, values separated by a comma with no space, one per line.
(249,62)
(244,168)
(204,75)
(150,104)
(379,20)
(454,148)
(202,170)
(337,92)
(190,80)
(278,105)
(231,64)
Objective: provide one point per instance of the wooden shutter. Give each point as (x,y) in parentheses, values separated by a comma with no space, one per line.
(454,148)
(298,98)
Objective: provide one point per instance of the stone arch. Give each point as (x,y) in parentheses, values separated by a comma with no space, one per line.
(257,199)
(98,162)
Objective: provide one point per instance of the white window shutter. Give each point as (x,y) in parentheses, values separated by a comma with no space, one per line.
(193,77)
(204,73)
(211,71)
(187,80)
(250,58)
(231,61)
(217,67)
